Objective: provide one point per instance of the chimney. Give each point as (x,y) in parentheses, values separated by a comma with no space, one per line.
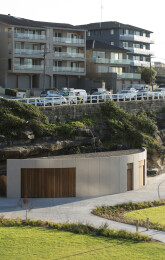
(8,14)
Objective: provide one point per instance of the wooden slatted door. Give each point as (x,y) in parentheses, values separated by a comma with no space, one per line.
(129,176)
(48,183)
(141,173)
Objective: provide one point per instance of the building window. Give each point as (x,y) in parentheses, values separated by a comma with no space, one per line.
(9,48)
(137,33)
(98,54)
(125,32)
(9,33)
(9,64)
(88,33)
(111,43)
(112,31)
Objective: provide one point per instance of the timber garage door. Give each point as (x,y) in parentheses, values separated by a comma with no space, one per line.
(48,183)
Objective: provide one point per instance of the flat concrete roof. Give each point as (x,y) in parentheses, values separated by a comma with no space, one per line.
(97,154)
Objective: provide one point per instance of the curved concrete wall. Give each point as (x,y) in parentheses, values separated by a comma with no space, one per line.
(96,174)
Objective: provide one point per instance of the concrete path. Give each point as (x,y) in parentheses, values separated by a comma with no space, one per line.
(79,209)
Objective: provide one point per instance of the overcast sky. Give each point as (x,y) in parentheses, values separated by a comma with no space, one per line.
(146,14)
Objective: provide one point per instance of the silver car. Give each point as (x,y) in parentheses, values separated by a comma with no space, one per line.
(125,95)
(159,93)
(55,100)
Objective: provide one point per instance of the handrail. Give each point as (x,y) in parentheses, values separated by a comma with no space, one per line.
(127,97)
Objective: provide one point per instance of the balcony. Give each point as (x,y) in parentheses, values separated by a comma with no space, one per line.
(139,51)
(28,67)
(29,52)
(30,36)
(137,38)
(69,55)
(111,61)
(139,63)
(68,40)
(129,76)
(68,69)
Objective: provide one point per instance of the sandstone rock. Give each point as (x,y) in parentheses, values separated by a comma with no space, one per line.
(27,135)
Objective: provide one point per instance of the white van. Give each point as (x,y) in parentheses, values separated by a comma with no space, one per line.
(74,95)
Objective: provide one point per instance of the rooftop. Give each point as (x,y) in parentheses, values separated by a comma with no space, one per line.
(111,25)
(18,21)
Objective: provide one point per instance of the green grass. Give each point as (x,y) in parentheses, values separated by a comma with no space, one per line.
(41,243)
(120,212)
(155,214)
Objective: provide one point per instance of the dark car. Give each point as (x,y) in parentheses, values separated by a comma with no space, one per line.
(93,90)
(162,85)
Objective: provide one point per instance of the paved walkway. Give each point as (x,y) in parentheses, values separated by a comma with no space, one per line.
(79,209)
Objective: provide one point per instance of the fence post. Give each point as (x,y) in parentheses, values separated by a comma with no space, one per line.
(147,224)
(137,225)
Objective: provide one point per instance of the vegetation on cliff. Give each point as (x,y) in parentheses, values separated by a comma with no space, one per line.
(120,127)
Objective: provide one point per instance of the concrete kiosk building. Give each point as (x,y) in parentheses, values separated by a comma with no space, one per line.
(81,175)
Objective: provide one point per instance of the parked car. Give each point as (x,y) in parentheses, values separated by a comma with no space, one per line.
(159,92)
(74,95)
(144,94)
(56,100)
(48,93)
(93,90)
(99,97)
(162,85)
(125,95)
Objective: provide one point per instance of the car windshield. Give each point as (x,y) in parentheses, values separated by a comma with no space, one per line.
(64,93)
(159,90)
(98,93)
(143,91)
(124,91)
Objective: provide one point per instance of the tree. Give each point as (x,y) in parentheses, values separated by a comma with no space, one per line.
(146,74)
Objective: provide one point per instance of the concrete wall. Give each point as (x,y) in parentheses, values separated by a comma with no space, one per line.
(69,112)
(96,175)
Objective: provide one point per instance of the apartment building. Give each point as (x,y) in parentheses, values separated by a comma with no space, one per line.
(40,55)
(108,63)
(136,40)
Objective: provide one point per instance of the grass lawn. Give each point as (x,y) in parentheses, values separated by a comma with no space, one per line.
(41,243)
(155,214)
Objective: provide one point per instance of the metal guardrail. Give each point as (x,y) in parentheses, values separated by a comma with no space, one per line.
(52,101)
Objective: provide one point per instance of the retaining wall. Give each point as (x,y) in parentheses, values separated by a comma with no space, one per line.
(69,112)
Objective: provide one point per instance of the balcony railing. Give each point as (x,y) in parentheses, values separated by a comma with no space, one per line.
(140,63)
(28,67)
(69,55)
(110,61)
(129,76)
(137,38)
(68,40)
(68,69)
(30,36)
(139,51)
(29,51)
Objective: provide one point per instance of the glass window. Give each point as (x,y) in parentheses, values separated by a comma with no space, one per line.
(9,33)
(137,33)
(111,43)
(112,31)
(98,54)
(9,64)
(9,47)
(88,33)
